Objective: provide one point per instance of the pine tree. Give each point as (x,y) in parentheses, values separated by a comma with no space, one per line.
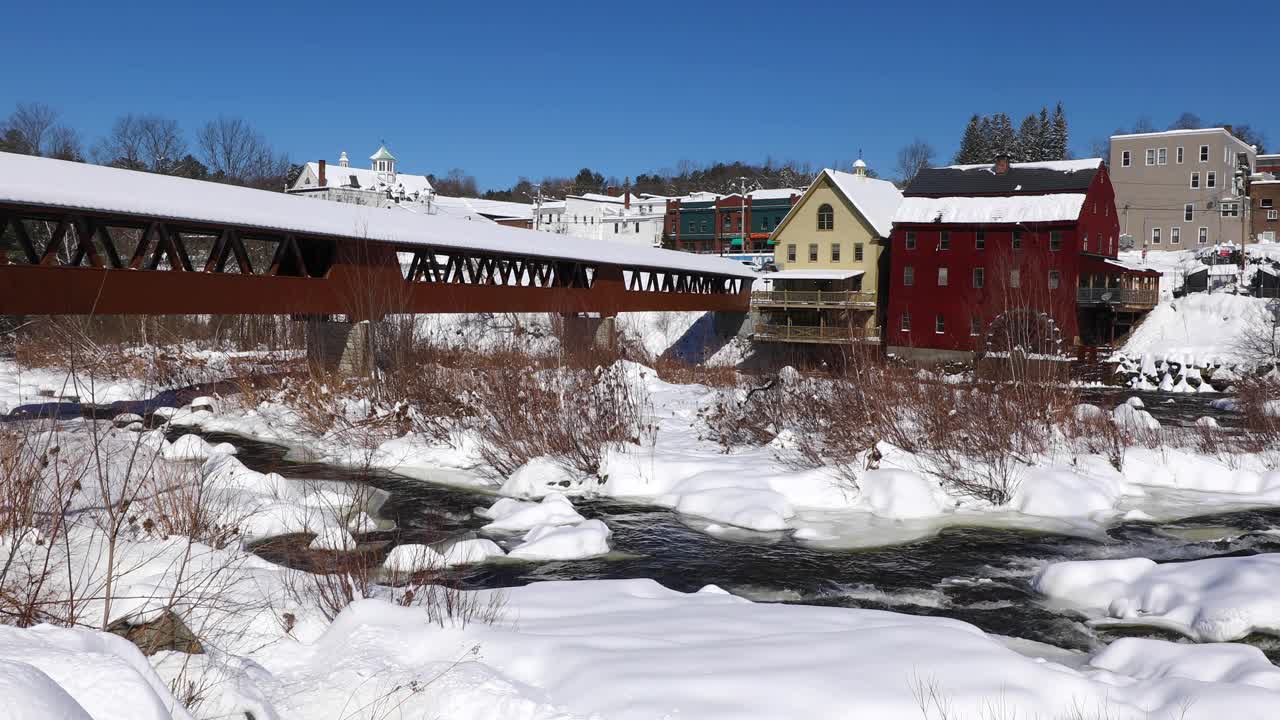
(1058,134)
(986,133)
(1046,129)
(970,144)
(1030,138)
(1003,140)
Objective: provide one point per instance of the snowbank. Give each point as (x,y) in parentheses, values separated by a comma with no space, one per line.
(412,559)
(194,447)
(1216,599)
(1200,329)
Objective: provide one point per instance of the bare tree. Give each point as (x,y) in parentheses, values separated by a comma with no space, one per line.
(913,158)
(236,153)
(143,142)
(64,144)
(33,129)
(1187,121)
(1259,341)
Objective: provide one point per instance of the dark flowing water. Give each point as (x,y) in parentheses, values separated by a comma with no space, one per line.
(979,575)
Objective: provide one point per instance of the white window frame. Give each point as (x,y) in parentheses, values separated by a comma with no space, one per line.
(1229,209)
(1055,279)
(835,252)
(1204,153)
(980,240)
(1055,241)
(1211,179)
(979,277)
(1202,238)
(909,276)
(1162,156)
(944,277)
(1179,155)
(975,326)
(909,240)
(940,324)
(1150,157)
(1155,236)
(1015,278)
(1126,158)
(1273,214)
(1188,212)
(905,321)
(1175,235)
(1195,180)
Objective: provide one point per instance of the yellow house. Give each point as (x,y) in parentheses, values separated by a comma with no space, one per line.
(831,253)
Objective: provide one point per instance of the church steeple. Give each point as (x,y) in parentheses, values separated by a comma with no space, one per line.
(384,163)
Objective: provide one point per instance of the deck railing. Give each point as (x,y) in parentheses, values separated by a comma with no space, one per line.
(815,334)
(1118,296)
(812,297)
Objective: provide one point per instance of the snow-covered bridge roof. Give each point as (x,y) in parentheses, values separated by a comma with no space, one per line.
(37,181)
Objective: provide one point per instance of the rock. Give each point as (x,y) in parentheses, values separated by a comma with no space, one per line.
(1135,402)
(203,403)
(333,540)
(165,633)
(123,420)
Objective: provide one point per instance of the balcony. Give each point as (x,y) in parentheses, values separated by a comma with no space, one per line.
(832,335)
(814,298)
(1122,297)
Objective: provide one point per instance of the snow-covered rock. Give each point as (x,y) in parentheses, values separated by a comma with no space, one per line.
(1128,417)
(1214,600)
(539,477)
(1085,411)
(412,559)
(509,515)
(588,538)
(194,447)
(471,552)
(1061,492)
(901,494)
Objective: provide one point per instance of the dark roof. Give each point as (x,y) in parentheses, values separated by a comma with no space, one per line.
(982,180)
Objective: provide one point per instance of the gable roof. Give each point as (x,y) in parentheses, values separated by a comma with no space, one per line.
(337,176)
(875,200)
(1037,178)
(1057,207)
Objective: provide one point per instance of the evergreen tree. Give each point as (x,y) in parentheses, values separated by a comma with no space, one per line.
(1030,139)
(986,134)
(1046,129)
(970,144)
(1003,140)
(1058,136)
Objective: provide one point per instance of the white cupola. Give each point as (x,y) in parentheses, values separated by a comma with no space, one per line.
(343,160)
(384,163)
(860,168)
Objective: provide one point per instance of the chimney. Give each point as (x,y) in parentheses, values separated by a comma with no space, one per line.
(1002,164)
(322,180)
(626,199)
(612,191)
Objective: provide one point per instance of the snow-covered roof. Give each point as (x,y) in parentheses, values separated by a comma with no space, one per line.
(454,207)
(811,274)
(876,200)
(502,208)
(382,154)
(338,176)
(991,210)
(1060,165)
(774,194)
(58,183)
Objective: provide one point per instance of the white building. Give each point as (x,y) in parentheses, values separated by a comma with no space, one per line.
(625,218)
(378,186)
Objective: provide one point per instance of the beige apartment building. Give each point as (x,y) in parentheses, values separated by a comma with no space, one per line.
(1181,189)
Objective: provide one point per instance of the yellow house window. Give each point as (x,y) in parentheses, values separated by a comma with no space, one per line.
(826,217)
(857,252)
(835,252)
(813,252)
(791,253)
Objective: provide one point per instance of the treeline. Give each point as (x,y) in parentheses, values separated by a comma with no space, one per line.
(687,178)
(227,149)
(1039,137)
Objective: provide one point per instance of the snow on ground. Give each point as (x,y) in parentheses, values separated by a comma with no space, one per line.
(1200,329)
(1210,600)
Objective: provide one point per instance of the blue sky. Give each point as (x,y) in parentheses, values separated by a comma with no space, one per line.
(504,89)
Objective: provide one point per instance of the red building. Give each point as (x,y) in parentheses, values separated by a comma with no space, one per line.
(992,258)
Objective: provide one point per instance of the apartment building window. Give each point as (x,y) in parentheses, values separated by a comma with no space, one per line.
(1155,236)
(1204,236)
(791,253)
(906,322)
(1267,203)
(1211,180)
(1230,209)
(1204,153)
(1017,239)
(813,252)
(908,276)
(615,228)
(1178,155)
(942,277)
(1151,156)
(1015,278)
(835,252)
(944,240)
(1163,157)
(1126,159)
(911,240)
(980,240)
(1055,279)
(1175,235)
(975,326)
(857,252)
(704,226)
(979,277)
(1273,214)
(1055,240)
(939,324)
(1188,211)
(826,217)
(1195,181)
